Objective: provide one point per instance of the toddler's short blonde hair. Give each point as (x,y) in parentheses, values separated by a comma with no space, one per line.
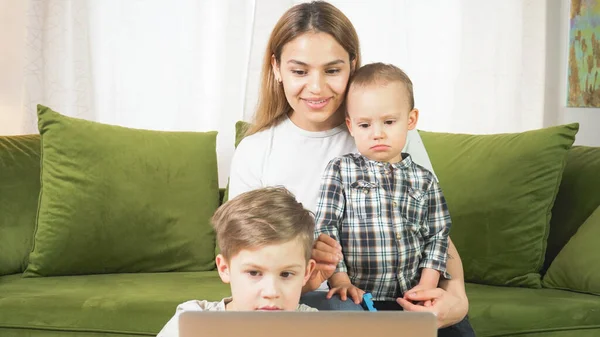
(382,74)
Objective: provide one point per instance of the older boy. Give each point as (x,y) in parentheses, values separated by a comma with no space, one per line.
(265,237)
(387,212)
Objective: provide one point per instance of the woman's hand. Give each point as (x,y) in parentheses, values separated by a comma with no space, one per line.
(327,253)
(448,308)
(416,289)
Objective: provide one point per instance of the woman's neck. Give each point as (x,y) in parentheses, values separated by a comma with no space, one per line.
(332,122)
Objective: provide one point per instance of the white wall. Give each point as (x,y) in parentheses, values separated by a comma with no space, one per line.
(12,42)
(588,118)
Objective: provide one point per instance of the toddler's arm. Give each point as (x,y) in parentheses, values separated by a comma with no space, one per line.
(429,278)
(435,251)
(339,279)
(331,206)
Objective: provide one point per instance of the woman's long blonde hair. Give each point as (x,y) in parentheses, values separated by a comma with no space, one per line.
(316,16)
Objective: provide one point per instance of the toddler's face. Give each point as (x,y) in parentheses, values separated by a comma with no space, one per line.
(379,120)
(266,278)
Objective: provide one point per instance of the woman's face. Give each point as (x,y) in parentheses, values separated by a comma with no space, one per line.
(314,72)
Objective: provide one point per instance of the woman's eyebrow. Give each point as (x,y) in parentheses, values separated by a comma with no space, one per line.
(330,63)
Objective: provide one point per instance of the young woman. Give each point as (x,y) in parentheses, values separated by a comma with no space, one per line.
(299,127)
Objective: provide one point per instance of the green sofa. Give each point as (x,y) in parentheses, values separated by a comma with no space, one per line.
(525,270)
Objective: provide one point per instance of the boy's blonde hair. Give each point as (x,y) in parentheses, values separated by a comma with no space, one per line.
(382,74)
(309,17)
(260,218)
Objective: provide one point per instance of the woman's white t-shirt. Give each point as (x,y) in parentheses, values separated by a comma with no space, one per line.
(286,155)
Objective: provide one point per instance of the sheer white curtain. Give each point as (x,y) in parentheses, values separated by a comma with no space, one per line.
(153,64)
(477,66)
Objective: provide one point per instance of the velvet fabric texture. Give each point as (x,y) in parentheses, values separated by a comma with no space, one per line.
(118,200)
(500,190)
(19,192)
(577,265)
(112,304)
(139,304)
(578,197)
(511,311)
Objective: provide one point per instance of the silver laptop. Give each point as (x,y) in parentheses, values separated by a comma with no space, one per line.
(303,324)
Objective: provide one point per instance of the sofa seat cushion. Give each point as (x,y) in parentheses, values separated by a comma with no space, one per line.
(130,304)
(510,311)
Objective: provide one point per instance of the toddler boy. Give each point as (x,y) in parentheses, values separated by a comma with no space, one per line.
(387,212)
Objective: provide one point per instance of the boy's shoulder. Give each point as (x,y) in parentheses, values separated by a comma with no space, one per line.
(172,326)
(203,305)
(352,158)
(171,329)
(304,307)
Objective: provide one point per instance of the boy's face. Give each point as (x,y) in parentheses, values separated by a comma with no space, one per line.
(379,120)
(267,278)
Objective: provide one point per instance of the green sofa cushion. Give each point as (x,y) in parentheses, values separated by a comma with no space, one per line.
(19,193)
(513,311)
(113,303)
(577,265)
(116,200)
(577,198)
(500,190)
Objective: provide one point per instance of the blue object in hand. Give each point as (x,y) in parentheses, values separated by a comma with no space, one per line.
(368,302)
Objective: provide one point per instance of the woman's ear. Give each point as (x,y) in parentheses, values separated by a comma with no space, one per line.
(413,118)
(352,66)
(222,268)
(310,267)
(276,70)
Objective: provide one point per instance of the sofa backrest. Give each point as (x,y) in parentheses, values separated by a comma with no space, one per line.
(19,191)
(578,196)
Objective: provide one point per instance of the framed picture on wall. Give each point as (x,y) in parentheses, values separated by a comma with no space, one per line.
(584,54)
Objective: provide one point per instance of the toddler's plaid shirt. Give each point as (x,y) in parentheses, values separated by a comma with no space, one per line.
(390,219)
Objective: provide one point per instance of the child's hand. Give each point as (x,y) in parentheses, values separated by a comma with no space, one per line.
(345,290)
(419,287)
